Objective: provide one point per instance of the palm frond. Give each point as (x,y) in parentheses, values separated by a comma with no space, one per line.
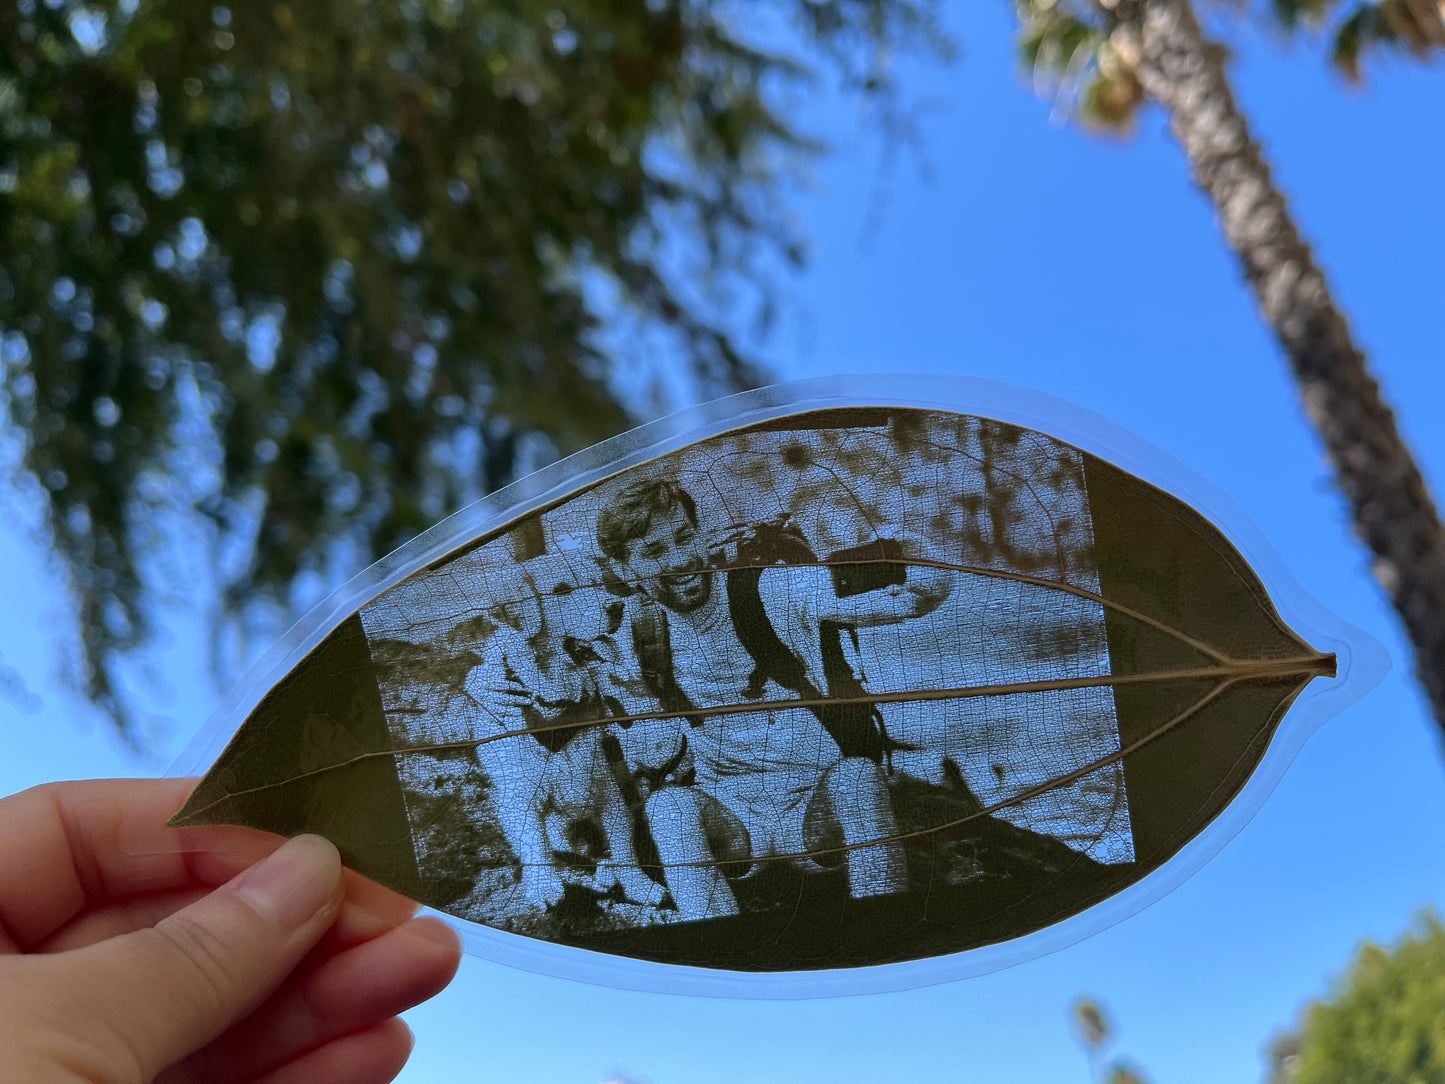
(1413,26)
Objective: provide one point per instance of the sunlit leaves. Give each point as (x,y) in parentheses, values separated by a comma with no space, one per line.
(336,263)
(1383,1021)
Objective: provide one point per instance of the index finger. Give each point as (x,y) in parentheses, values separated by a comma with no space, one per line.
(65,846)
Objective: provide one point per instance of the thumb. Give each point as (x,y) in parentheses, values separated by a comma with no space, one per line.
(152,997)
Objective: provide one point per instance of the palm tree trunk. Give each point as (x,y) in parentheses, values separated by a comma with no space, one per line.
(1393,513)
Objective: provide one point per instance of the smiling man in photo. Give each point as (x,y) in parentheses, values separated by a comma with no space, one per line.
(801,784)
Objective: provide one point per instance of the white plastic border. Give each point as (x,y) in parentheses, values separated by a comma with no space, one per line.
(1363,662)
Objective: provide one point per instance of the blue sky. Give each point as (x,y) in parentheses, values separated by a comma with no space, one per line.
(1090,269)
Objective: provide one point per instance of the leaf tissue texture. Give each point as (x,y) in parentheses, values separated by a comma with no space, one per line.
(846,688)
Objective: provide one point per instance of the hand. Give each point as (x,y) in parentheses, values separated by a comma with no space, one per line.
(508,692)
(508,680)
(495,693)
(927,589)
(901,601)
(928,585)
(133,952)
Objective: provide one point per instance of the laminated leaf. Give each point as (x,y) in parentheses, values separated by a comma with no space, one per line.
(844,688)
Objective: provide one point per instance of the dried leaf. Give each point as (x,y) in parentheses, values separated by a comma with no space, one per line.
(846,688)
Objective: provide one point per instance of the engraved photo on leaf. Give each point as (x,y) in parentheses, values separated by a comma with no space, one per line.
(844,688)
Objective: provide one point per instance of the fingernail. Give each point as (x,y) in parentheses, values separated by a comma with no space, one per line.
(295,882)
(433,931)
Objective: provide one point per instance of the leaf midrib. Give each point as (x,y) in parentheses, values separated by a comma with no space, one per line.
(1228,675)
(949,566)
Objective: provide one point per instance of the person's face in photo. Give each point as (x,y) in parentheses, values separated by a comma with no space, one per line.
(670,561)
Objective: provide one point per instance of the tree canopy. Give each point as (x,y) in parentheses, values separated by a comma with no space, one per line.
(326,271)
(1383,1024)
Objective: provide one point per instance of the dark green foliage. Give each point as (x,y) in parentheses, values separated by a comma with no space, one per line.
(329,270)
(1383,1024)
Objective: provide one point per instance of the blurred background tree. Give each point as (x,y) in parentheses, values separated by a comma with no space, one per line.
(1107,59)
(326,271)
(1095,1033)
(1383,1024)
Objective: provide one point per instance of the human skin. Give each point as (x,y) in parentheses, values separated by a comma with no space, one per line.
(670,563)
(851,806)
(133,952)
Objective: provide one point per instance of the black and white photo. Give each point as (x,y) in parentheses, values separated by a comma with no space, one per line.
(837,660)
